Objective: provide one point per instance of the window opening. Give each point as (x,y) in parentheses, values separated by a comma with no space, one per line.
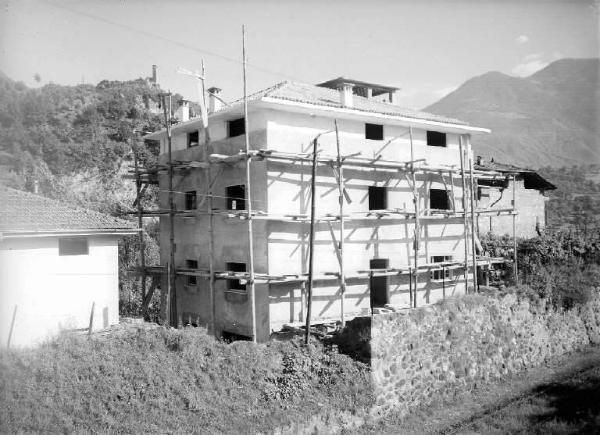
(236,284)
(436,139)
(236,197)
(377,198)
(192,139)
(380,293)
(190,200)
(73,246)
(439,275)
(192,264)
(374,131)
(236,127)
(438,199)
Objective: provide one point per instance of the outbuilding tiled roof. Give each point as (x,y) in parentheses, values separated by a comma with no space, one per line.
(24,212)
(321,96)
(533,180)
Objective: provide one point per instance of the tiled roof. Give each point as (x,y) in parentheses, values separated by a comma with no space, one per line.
(311,94)
(25,212)
(532,179)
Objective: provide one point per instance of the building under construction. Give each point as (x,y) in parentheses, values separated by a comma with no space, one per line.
(392,194)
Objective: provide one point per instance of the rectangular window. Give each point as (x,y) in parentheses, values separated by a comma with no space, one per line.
(192,264)
(190,200)
(439,275)
(236,284)
(236,197)
(436,139)
(236,127)
(374,131)
(380,293)
(377,198)
(438,199)
(73,246)
(192,139)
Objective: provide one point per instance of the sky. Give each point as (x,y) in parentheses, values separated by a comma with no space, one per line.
(426,48)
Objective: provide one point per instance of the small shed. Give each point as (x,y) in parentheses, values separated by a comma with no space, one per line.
(58,268)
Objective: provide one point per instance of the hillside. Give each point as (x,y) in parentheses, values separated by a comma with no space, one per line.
(550,118)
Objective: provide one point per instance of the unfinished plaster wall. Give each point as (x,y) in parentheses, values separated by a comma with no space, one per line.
(387,238)
(53,292)
(530,204)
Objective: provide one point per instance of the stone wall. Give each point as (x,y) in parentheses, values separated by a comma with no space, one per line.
(433,351)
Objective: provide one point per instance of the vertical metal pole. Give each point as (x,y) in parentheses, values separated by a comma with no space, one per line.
(417,213)
(91,325)
(172,293)
(251,286)
(341,243)
(311,244)
(472,197)
(514,228)
(464,207)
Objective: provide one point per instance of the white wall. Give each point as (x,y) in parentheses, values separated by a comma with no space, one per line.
(53,292)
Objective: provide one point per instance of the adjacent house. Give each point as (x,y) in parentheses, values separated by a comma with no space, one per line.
(400,242)
(58,268)
(521,188)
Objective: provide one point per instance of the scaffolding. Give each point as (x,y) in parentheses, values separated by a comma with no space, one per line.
(336,163)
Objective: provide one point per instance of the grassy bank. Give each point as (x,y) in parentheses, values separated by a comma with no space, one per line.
(165,381)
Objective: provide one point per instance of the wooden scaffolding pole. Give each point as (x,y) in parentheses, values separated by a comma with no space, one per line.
(464,206)
(472,198)
(416,241)
(311,243)
(250,285)
(172,293)
(142,259)
(341,243)
(514,228)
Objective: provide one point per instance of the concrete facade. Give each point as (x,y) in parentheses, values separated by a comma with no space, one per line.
(281,248)
(53,292)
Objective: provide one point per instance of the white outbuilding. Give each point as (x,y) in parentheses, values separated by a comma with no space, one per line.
(58,268)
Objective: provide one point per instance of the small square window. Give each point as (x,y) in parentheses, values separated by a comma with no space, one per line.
(236,197)
(236,127)
(374,131)
(236,284)
(438,199)
(191,264)
(190,200)
(377,198)
(192,139)
(444,274)
(436,139)
(73,246)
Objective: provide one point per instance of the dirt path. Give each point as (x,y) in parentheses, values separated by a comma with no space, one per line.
(561,397)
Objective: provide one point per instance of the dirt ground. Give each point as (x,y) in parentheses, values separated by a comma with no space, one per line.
(562,396)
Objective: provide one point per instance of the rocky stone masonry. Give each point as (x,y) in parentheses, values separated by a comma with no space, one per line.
(431,352)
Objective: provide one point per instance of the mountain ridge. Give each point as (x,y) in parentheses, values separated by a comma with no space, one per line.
(549,118)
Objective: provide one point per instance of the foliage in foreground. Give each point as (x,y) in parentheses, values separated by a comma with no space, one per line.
(166,380)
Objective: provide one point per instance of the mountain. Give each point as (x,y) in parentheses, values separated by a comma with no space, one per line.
(550,118)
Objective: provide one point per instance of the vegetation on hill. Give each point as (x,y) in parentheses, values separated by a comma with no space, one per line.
(549,118)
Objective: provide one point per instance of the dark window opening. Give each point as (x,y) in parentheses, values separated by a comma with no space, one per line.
(192,264)
(436,139)
(230,337)
(236,197)
(236,284)
(380,294)
(374,131)
(190,200)
(236,127)
(192,139)
(73,246)
(377,198)
(439,275)
(438,199)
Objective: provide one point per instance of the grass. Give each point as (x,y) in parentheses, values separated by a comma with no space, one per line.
(167,381)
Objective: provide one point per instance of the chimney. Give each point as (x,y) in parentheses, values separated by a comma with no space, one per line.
(154,74)
(183,111)
(346,94)
(214,103)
